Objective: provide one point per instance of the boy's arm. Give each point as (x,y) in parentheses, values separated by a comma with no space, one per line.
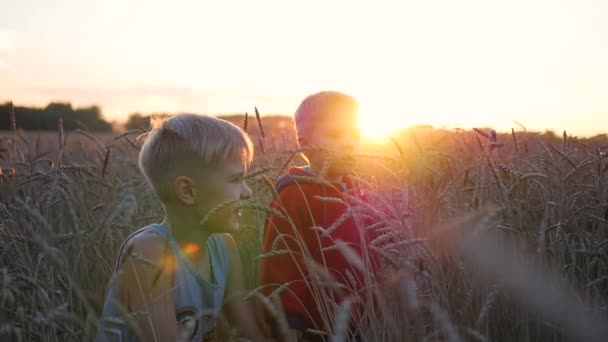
(286,268)
(239,311)
(144,285)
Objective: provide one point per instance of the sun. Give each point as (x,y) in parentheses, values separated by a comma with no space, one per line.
(377,123)
(376,129)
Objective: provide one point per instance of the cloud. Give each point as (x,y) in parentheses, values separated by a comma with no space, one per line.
(7,41)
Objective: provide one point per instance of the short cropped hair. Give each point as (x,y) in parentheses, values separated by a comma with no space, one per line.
(185,141)
(318,107)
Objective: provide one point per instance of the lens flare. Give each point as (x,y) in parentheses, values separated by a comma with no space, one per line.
(191,249)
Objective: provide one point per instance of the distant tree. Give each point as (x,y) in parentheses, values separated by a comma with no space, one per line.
(90,118)
(138,121)
(31,118)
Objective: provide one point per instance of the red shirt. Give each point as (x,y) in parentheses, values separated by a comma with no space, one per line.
(298,200)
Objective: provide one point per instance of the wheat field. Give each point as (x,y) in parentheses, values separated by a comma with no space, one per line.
(486,237)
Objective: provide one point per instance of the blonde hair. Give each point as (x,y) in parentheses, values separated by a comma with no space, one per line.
(315,109)
(183,141)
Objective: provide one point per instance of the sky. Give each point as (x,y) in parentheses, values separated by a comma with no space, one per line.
(467,63)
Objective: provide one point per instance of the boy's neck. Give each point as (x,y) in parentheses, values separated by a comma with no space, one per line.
(317,170)
(185,227)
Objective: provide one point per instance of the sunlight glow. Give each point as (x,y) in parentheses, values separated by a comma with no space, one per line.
(439,62)
(7,41)
(191,249)
(378,127)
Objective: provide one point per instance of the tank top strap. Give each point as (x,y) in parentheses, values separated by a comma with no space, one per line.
(220,260)
(160,230)
(155,227)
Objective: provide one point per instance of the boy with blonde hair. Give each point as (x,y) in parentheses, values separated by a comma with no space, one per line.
(172,279)
(327,126)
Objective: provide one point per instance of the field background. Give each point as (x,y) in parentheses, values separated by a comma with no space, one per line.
(536,205)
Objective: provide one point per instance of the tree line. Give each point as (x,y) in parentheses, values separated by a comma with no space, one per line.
(90,118)
(47,118)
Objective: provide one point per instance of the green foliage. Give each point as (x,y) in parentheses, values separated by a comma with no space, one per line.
(137,121)
(30,118)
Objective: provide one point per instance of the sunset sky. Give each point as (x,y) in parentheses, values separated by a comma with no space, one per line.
(543,63)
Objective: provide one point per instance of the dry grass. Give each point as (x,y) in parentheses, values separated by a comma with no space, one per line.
(490,238)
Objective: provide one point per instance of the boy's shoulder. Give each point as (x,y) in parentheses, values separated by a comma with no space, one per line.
(226,241)
(304,177)
(301,176)
(147,239)
(145,243)
(284,181)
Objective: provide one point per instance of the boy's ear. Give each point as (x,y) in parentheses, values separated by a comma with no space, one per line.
(184,190)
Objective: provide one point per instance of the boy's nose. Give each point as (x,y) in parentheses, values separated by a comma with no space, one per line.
(246,192)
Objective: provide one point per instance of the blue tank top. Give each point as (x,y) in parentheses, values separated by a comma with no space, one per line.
(195,298)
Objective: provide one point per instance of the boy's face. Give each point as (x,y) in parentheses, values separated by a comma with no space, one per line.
(217,185)
(340,139)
